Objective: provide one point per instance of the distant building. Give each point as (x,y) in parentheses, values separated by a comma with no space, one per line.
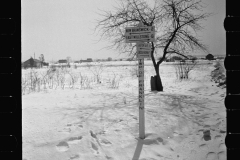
(62,61)
(45,64)
(32,63)
(109,59)
(88,60)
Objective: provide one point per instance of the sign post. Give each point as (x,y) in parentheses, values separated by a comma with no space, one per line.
(141,98)
(139,35)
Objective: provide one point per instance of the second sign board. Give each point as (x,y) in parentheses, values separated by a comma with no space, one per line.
(140,38)
(143,54)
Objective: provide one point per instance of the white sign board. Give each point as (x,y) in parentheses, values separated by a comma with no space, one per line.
(139,30)
(146,37)
(144,47)
(143,54)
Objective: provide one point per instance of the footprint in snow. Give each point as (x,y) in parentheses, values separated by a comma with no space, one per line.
(62,146)
(222,155)
(222,146)
(203,147)
(218,137)
(81,126)
(109,158)
(222,131)
(93,135)
(74,140)
(66,130)
(211,156)
(149,159)
(94,148)
(74,157)
(194,152)
(191,143)
(105,142)
(206,126)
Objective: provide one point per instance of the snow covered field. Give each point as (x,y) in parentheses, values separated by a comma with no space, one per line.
(73,114)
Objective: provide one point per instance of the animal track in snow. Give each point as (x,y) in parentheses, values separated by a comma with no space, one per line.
(62,146)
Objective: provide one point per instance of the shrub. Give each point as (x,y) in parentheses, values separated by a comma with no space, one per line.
(114,82)
(210,57)
(219,75)
(73,80)
(97,71)
(183,68)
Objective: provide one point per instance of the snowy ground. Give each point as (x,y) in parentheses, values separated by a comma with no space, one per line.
(100,122)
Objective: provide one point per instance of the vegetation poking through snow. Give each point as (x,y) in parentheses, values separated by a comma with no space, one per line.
(97,71)
(183,68)
(114,81)
(36,80)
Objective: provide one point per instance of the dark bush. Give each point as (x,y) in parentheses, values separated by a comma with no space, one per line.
(210,57)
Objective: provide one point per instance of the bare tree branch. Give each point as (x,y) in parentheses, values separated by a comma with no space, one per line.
(176,22)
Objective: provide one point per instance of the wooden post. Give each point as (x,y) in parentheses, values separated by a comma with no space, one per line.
(141,98)
(141,94)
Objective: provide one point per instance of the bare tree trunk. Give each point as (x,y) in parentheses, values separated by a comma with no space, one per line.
(158,80)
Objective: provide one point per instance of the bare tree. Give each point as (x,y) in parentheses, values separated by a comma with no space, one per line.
(176,23)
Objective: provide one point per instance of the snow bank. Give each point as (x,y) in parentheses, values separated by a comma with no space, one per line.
(219,74)
(185,122)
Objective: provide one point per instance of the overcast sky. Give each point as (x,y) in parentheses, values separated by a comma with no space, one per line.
(61,28)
